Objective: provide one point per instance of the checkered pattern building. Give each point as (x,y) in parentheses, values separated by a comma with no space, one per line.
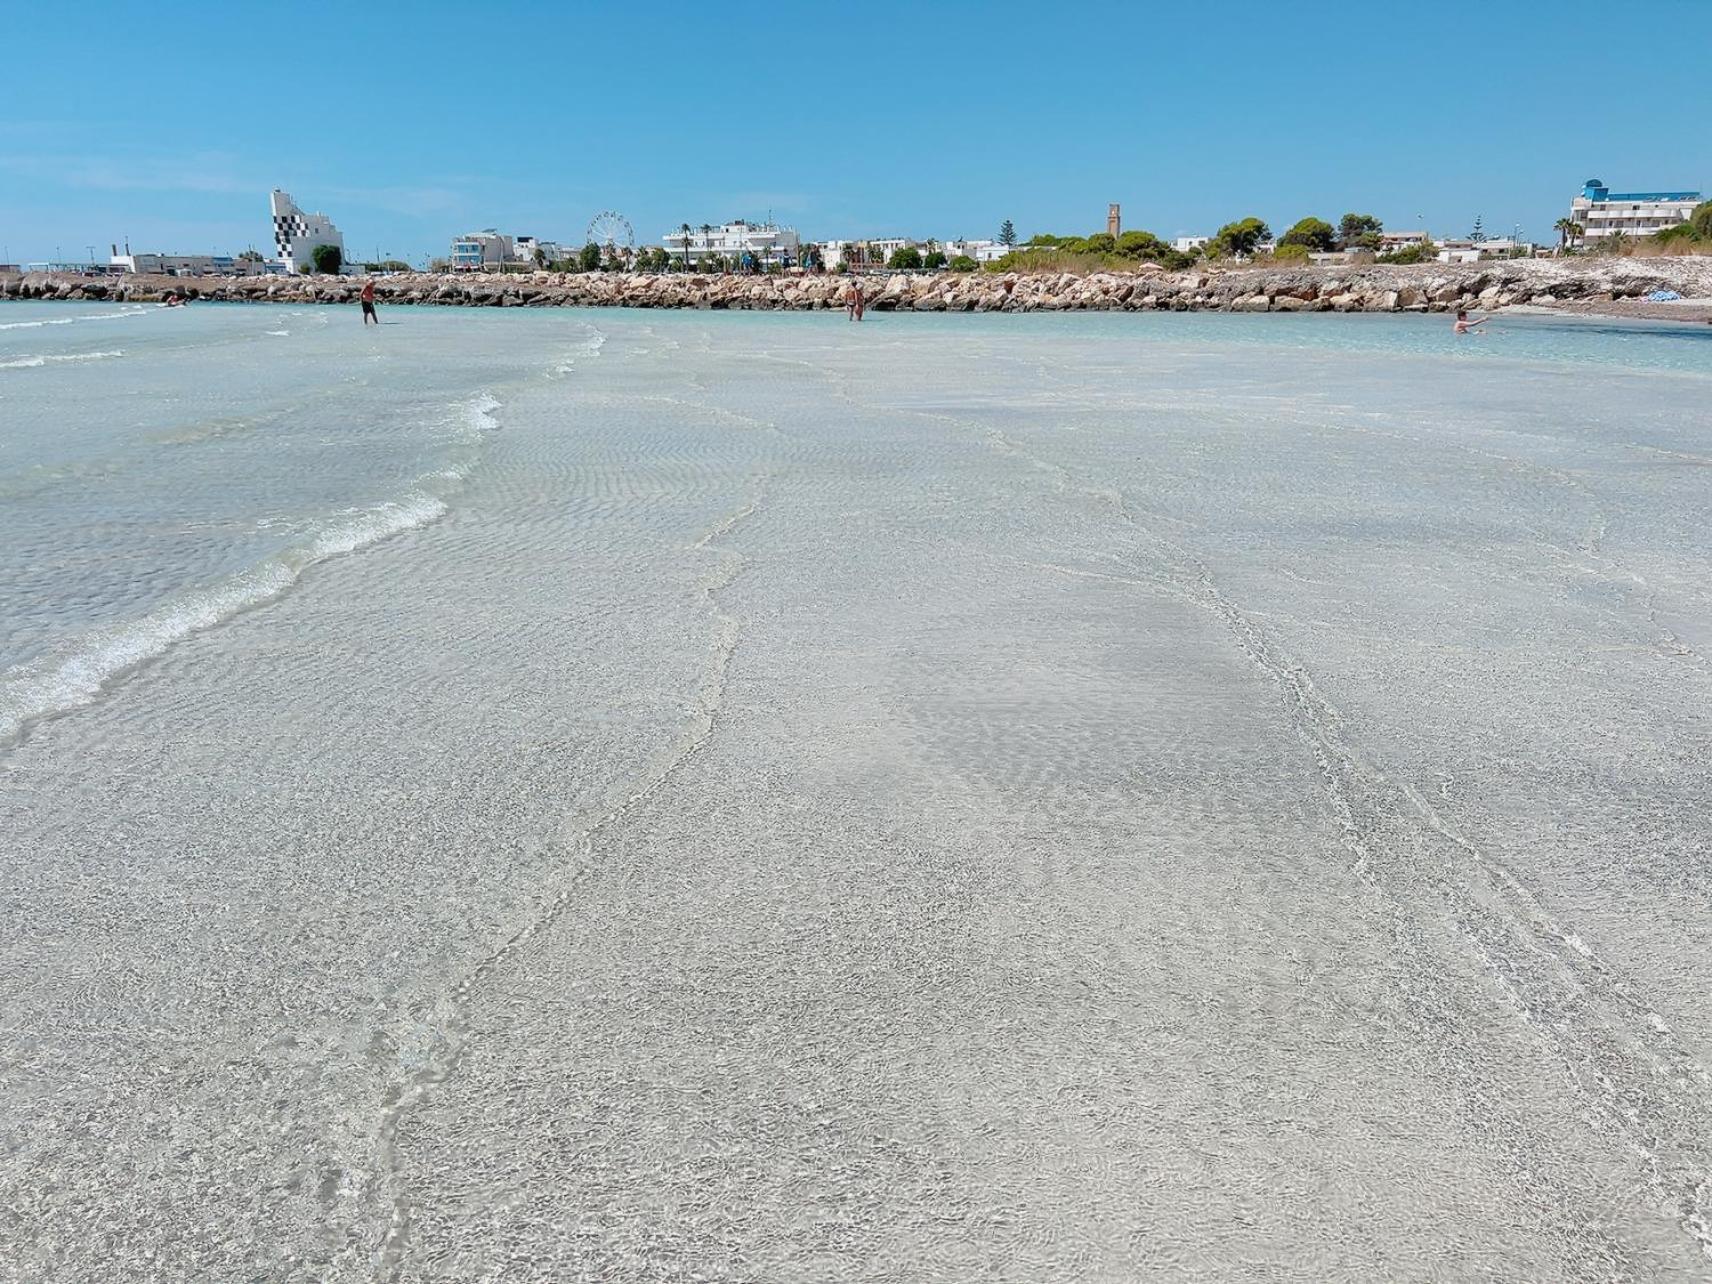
(296,234)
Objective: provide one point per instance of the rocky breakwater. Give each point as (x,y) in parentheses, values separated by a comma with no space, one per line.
(1582,283)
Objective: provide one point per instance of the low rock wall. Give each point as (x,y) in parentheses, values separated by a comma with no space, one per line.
(1371,288)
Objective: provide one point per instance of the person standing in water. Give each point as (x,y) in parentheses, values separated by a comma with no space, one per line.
(855,302)
(1465,326)
(368,303)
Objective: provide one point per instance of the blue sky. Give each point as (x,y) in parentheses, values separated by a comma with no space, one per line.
(169,123)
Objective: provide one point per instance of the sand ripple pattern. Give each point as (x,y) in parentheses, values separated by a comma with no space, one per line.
(1024,799)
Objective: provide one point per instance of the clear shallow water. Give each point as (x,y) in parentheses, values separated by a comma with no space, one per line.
(1010,797)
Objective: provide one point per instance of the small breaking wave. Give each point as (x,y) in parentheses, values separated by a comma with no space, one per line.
(592,346)
(60,683)
(94,316)
(65,682)
(33,363)
(473,420)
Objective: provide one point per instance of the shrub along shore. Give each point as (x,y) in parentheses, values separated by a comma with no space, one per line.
(1576,284)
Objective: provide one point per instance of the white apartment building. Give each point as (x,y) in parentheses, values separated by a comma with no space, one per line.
(1602,212)
(296,234)
(767,243)
(980,251)
(1189,244)
(832,253)
(524,248)
(484,249)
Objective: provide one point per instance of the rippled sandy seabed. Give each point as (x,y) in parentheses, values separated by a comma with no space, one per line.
(546,796)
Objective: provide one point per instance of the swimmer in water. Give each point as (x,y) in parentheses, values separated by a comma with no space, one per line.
(1465,326)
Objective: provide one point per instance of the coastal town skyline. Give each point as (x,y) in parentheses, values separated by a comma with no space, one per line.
(935,142)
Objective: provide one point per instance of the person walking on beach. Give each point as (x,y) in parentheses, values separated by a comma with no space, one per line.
(1465,326)
(368,304)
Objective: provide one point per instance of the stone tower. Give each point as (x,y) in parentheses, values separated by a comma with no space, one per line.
(1114,224)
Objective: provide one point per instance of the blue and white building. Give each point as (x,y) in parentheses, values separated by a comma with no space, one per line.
(487,248)
(1602,212)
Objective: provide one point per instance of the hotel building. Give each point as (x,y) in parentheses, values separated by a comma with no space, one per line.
(1602,212)
(767,243)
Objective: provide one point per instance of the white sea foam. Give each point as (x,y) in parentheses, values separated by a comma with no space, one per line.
(77,672)
(280,333)
(33,363)
(473,419)
(93,316)
(68,681)
(591,345)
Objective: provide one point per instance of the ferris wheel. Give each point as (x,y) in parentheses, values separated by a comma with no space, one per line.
(609,228)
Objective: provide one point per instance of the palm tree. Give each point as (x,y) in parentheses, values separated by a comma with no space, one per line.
(1568,231)
(684,228)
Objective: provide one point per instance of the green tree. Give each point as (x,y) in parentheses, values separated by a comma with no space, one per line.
(684,231)
(328,259)
(1312,234)
(1359,232)
(1137,244)
(963,263)
(1239,238)
(250,256)
(1007,233)
(907,258)
(1697,228)
(1568,231)
(589,259)
(933,260)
